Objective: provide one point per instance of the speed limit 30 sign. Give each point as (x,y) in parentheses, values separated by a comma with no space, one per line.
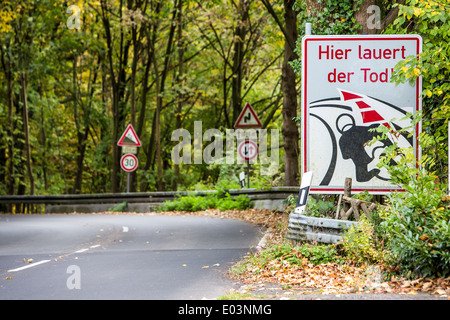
(129,162)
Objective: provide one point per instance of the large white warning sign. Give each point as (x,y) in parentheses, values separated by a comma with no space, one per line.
(346,92)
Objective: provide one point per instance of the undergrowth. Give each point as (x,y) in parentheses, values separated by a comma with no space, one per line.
(218,200)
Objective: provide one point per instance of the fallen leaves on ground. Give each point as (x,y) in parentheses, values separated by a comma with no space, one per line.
(439,286)
(333,278)
(264,218)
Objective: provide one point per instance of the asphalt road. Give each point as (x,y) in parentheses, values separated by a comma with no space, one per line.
(119,256)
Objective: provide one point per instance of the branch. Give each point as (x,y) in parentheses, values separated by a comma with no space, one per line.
(390,16)
(277,20)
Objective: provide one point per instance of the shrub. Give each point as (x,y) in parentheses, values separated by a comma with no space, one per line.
(319,208)
(417,222)
(360,244)
(121,207)
(193,203)
(419,232)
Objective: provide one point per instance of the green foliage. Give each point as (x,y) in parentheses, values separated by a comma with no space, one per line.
(320,254)
(121,207)
(360,244)
(431,20)
(319,208)
(417,223)
(216,200)
(418,227)
(331,16)
(82,88)
(290,203)
(364,195)
(315,207)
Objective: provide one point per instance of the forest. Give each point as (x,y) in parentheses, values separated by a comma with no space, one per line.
(74,74)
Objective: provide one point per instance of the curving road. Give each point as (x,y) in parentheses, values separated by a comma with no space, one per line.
(119,256)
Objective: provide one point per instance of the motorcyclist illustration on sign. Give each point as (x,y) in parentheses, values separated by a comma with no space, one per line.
(350,132)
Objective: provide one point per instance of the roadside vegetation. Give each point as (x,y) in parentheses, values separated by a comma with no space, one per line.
(217,200)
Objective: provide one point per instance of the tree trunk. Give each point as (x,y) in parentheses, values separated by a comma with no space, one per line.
(179,109)
(289,129)
(238,57)
(10,122)
(133,93)
(82,133)
(362,16)
(26,129)
(160,86)
(117,85)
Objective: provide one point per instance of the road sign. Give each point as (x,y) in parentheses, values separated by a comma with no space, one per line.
(346,94)
(248,150)
(129,162)
(248,118)
(126,149)
(129,138)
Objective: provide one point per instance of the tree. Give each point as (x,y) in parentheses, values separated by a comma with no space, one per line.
(67,94)
(431,20)
(289,87)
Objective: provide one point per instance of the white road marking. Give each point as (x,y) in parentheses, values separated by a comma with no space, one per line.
(82,250)
(125,229)
(94,246)
(29,265)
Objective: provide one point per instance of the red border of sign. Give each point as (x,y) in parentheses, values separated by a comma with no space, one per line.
(240,148)
(241,115)
(121,144)
(418,128)
(135,160)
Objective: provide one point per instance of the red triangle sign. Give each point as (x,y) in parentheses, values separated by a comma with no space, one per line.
(129,138)
(248,118)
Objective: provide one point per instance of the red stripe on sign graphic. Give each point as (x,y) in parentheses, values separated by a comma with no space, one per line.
(349,96)
(371,116)
(362,104)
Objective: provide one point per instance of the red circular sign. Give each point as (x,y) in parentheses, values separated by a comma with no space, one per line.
(248,150)
(129,162)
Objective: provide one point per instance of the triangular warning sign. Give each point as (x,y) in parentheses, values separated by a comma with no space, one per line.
(248,118)
(129,138)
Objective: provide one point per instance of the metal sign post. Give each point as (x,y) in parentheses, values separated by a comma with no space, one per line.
(129,141)
(248,174)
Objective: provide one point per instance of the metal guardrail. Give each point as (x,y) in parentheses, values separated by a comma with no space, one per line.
(140,197)
(304,228)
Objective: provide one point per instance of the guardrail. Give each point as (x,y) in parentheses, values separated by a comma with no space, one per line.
(30,203)
(304,228)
